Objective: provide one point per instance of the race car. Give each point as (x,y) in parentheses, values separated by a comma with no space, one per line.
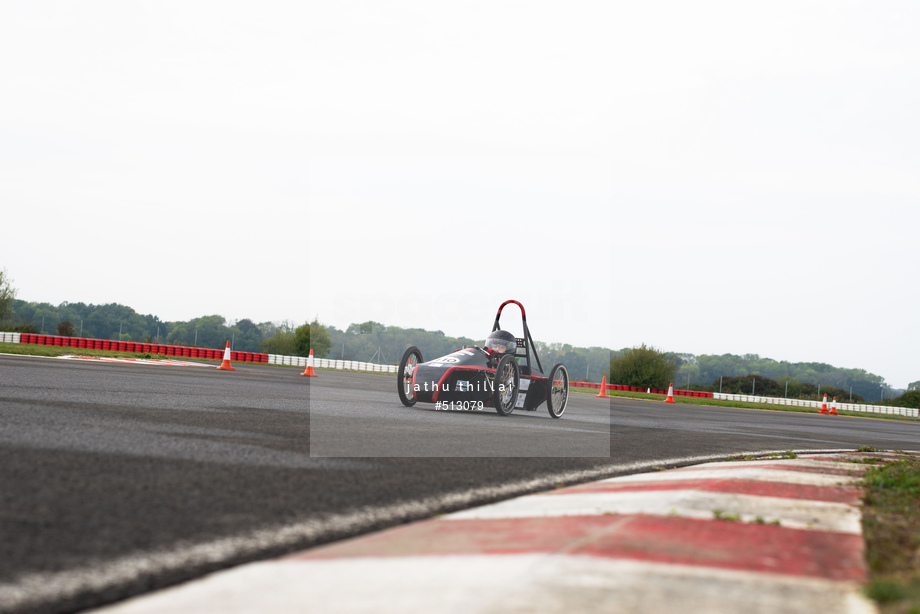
(505,374)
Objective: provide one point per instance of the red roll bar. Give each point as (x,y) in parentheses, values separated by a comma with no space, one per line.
(502,306)
(528,339)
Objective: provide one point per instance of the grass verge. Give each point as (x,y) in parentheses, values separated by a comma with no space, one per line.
(740,404)
(788,454)
(891,528)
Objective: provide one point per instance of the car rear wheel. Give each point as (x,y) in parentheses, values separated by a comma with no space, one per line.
(410,360)
(558,394)
(507,381)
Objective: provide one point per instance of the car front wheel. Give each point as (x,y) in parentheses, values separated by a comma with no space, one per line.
(507,381)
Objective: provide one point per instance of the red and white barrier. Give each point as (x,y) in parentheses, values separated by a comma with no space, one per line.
(328,363)
(857,407)
(726,537)
(135,347)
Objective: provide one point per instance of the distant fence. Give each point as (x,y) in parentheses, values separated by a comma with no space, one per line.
(747,398)
(327,363)
(682,393)
(179,351)
(860,407)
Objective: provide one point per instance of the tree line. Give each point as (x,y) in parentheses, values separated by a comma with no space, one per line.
(750,374)
(122,323)
(703,372)
(374,342)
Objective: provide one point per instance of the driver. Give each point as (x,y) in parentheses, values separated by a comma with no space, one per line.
(501,342)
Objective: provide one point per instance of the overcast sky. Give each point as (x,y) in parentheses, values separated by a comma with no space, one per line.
(706,177)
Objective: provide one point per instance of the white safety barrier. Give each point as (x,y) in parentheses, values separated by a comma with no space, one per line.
(10,337)
(325,363)
(868,409)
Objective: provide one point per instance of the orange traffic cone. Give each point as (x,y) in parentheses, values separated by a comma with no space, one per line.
(225,365)
(833,411)
(309,372)
(603,394)
(670,398)
(823,409)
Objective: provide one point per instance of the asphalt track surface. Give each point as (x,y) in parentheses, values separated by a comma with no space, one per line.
(116,479)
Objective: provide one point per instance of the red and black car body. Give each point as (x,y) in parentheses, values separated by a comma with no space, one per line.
(481,376)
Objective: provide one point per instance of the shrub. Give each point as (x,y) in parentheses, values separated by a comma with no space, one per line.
(642,366)
(911,398)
